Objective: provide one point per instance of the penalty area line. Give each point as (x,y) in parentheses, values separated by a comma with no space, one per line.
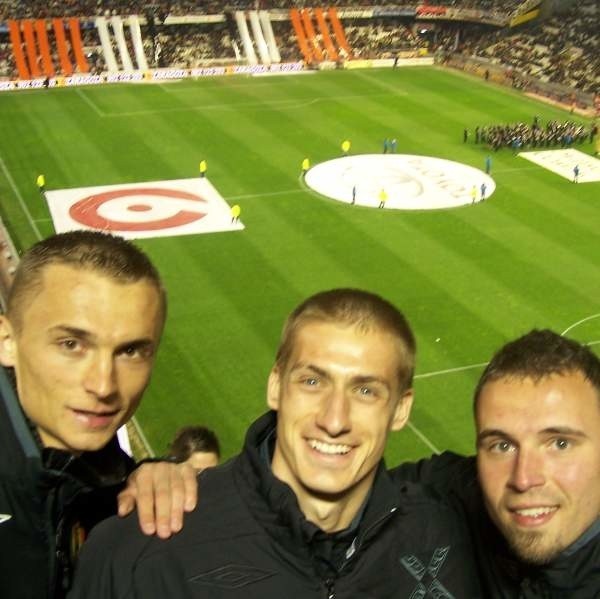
(576,324)
(89,102)
(17,193)
(426,375)
(423,438)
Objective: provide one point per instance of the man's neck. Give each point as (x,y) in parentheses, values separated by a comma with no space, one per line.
(331,514)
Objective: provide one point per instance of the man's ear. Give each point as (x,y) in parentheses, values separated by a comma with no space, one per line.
(402,411)
(273,388)
(7,343)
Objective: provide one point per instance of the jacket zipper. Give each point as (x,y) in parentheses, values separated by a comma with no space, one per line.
(330,587)
(330,582)
(357,543)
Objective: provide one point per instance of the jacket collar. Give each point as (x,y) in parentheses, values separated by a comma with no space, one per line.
(274,503)
(21,449)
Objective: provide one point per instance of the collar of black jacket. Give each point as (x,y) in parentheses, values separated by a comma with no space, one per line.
(108,466)
(274,502)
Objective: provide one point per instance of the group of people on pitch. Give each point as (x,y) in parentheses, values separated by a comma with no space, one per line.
(308,508)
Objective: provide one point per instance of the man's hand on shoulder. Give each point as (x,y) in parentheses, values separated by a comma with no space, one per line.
(162,491)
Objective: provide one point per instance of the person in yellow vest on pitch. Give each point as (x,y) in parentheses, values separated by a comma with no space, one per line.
(41,183)
(346,146)
(203,167)
(383,196)
(305,166)
(235,213)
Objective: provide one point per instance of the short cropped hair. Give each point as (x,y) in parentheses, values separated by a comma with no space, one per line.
(190,439)
(540,354)
(353,307)
(106,254)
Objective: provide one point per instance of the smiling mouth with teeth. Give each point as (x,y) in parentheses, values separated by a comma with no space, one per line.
(534,512)
(329,448)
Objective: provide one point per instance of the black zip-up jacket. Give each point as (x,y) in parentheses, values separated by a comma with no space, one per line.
(247,539)
(574,574)
(49,500)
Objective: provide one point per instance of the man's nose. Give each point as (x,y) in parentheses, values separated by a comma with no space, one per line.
(100,377)
(528,470)
(334,415)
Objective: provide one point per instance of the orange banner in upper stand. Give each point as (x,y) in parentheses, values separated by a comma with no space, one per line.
(30,48)
(42,36)
(61,44)
(338,30)
(82,64)
(310,34)
(17,49)
(324,29)
(299,30)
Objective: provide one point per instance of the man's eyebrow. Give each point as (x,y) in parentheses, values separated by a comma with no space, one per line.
(71,331)
(370,378)
(308,366)
(486,433)
(564,430)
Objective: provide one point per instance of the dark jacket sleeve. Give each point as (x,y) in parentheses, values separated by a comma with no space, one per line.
(445,472)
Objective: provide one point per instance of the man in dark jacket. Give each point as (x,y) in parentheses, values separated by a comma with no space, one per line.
(307,509)
(82,325)
(534,515)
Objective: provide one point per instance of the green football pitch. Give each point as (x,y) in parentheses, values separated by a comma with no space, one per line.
(468,278)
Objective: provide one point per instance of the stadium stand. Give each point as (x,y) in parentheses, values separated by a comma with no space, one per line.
(22,9)
(189,46)
(559,51)
(381,38)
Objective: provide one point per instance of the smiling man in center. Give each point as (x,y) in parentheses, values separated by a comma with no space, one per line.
(307,509)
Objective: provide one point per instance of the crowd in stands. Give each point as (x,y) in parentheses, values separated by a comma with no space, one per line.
(22,9)
(379,38)
(562,49)
(522,135)
(286,41)
(41,9)
(190,46)
(7,65)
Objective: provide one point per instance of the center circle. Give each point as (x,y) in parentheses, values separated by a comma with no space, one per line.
(408,182)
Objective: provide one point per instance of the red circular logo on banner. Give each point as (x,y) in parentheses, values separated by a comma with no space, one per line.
(85,211)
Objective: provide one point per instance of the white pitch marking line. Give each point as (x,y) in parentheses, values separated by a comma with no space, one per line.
(145,441)
(16,191)
(576,324)
(480,365)
(89,102)
(426,375)
(423,438)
